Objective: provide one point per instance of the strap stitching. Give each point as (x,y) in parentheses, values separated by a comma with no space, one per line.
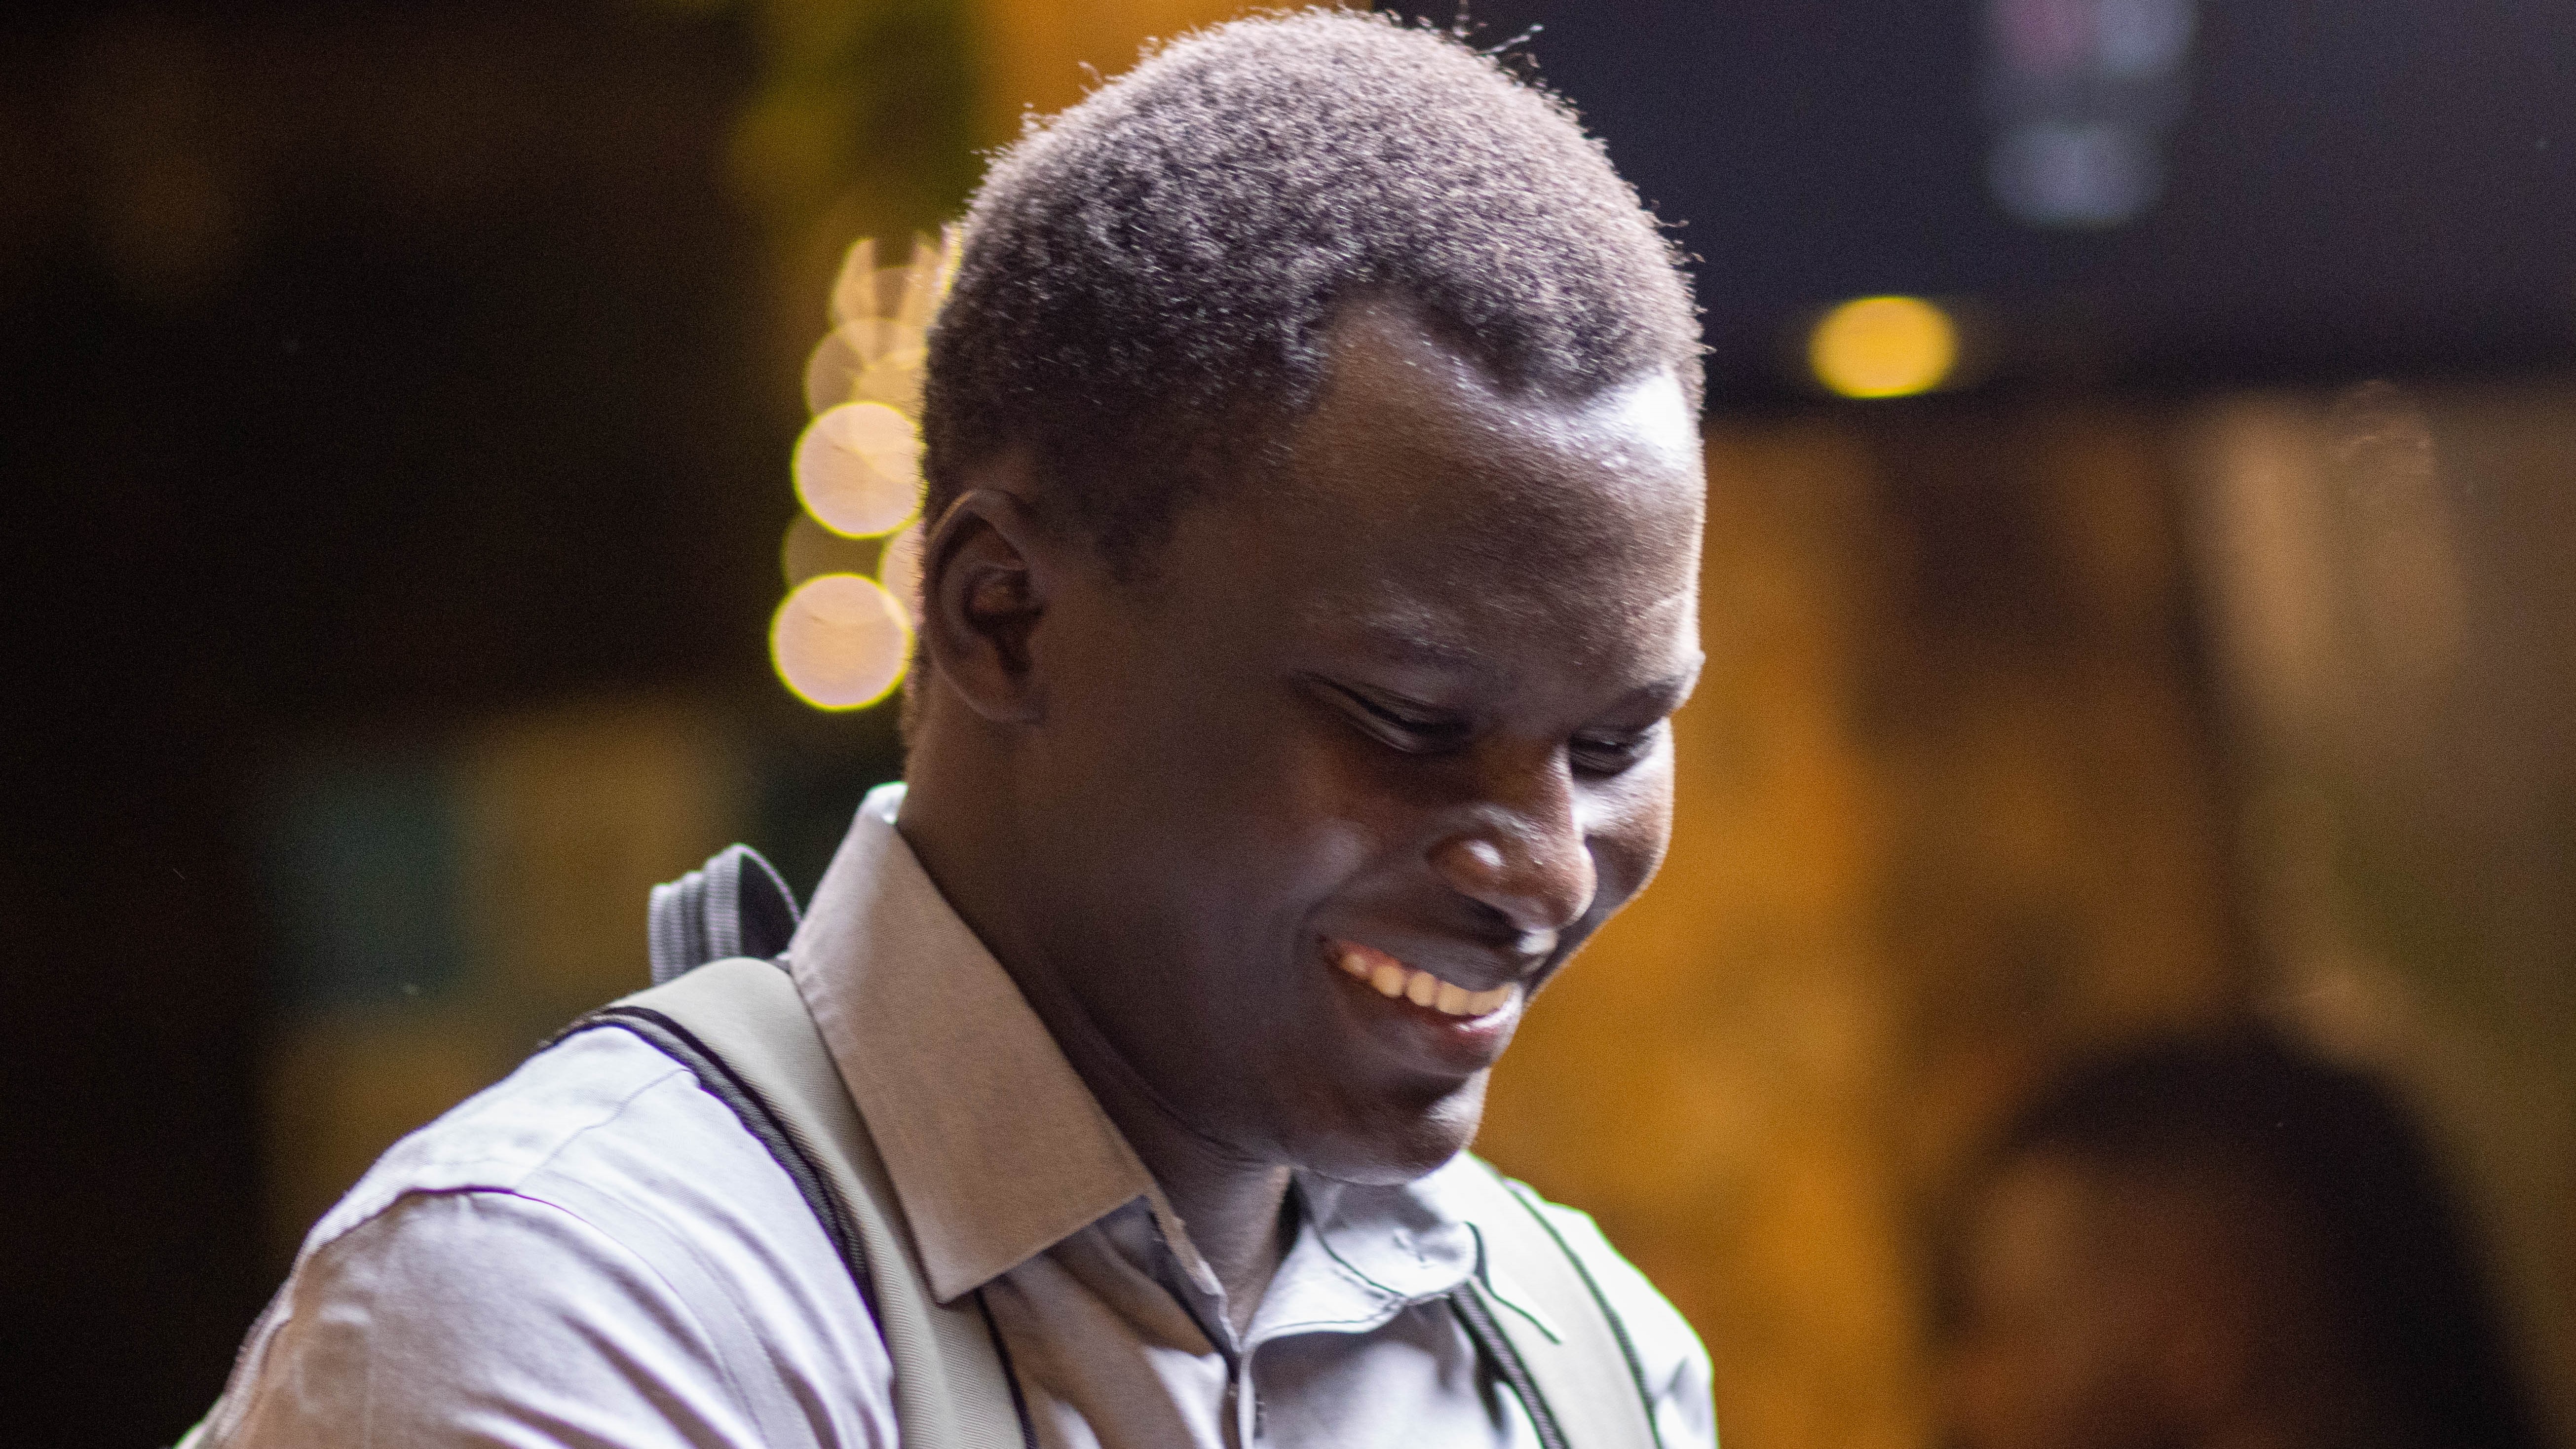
(1010,1372)
(758,1117)
(1618,1328)
(1497,1349)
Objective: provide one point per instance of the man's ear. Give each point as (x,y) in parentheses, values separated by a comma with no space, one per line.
(983,591)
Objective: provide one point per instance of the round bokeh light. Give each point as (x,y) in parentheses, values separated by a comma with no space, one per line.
(840,641)
(858,469)
(1883,347)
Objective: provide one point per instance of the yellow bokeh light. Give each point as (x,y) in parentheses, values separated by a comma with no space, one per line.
(840,641)
(858,469)
(867,360)
(832,372)
(1883,347)
(894,379)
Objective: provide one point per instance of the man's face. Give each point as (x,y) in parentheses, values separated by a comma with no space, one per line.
(1390,722)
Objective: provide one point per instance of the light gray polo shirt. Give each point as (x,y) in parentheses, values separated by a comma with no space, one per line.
(594,1252)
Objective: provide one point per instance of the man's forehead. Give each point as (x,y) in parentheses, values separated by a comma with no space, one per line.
(1502,636)
(1435,569)
(1425,519)
(1413,636)
(1395,384)
(1416,465)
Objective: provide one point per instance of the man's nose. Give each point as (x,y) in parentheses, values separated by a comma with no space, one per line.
(1524,855)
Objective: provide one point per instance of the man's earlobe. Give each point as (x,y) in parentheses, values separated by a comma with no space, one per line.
(981,599)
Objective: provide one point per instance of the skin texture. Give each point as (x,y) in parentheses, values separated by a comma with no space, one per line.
(1408,691)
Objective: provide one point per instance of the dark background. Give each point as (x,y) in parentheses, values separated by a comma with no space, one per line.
(454,391)
(2353,188)
(460,411)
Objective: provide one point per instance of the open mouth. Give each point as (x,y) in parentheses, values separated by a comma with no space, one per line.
(1393,979)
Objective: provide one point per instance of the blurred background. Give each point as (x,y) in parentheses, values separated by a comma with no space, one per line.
(2148,609)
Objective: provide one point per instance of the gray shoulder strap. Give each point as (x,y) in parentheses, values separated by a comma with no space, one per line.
(741,1025)
(1577,1373)
(734,905)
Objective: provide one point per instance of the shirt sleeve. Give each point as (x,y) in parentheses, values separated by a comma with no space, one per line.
(1675,1364)
(491,1319)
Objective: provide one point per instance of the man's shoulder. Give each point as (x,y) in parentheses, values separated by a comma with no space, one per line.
(599,1118)
(594,1229)
(507,1134)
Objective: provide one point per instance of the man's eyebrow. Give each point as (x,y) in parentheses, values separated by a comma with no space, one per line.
(1400,642)
(1669,691)
(1407,644)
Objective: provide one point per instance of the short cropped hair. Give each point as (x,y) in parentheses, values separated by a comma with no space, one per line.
(1148,279)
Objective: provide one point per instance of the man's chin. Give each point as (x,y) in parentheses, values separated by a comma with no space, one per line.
(1396,1145)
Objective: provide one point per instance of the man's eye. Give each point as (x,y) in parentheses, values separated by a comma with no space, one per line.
(1610,754)
(1408,726)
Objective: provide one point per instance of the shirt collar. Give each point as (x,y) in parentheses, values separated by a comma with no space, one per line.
(995,1147)
(1364,1252)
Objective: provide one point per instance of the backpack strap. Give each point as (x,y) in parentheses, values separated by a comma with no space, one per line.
(1571,1362)
(741,1026)
(734,905)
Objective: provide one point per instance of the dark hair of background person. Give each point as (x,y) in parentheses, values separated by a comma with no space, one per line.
(1148,279)
(2414,1307)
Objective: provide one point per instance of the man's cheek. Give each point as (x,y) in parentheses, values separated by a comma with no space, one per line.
(1313,805)
(1628,846)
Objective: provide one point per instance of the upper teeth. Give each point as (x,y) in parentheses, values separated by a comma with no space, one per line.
(1393,978)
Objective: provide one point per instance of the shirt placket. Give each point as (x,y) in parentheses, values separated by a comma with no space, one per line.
(1250,1415)
(1243,1415)
(1243,1402)
(1240,1413)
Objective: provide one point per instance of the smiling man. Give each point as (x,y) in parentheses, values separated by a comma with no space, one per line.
(1313,458)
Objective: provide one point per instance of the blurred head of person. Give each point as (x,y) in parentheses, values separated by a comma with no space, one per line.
(2211,1243)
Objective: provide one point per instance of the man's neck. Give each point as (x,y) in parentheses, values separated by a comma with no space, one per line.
(1237,1213)
(1234,1207)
